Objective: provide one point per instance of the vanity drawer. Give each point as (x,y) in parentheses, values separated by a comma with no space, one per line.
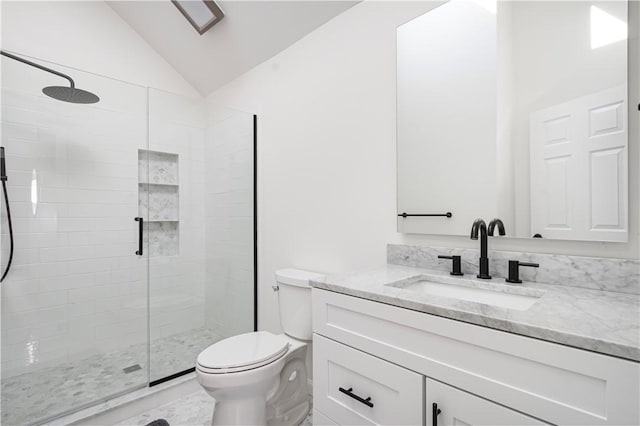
(549,381)
(319,419)
(354,388)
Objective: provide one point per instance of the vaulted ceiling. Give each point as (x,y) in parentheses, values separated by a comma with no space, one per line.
(250,33)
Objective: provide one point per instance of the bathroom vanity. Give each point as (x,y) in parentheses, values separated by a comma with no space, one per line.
(407,345)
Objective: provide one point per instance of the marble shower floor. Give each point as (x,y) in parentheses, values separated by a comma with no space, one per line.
(195,409)
(31,397)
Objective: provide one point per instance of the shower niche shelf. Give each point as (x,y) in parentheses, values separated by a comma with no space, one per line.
(160,169)
(158,201)
(158,184)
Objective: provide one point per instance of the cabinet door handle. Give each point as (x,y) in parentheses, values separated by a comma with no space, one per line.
(140,226)
(349,392)
(434,414)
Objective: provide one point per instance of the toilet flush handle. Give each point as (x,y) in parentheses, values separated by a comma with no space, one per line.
(275,287)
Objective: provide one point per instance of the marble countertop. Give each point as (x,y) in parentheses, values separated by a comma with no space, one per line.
(600,321)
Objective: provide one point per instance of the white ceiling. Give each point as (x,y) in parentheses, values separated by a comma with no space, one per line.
(250,33)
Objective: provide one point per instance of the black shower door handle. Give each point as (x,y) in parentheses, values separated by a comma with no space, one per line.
(140,229)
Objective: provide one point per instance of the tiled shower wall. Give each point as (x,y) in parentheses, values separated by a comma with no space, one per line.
(76,288)
(229,216)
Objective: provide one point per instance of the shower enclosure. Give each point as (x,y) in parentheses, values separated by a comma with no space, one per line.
(91,309)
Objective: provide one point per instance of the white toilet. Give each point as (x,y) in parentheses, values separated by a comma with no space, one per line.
(260,378)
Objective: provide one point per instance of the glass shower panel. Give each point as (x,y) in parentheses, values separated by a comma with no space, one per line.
(230,221)
(200,190)
(74,304)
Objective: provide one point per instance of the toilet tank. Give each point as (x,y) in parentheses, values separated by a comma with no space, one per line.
(294,301)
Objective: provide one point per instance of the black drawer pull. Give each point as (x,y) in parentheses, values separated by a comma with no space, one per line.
(434,414)
(349,392)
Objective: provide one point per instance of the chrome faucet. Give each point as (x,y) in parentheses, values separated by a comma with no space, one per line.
(479,225)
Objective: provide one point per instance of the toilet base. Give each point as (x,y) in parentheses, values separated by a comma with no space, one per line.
(248,411)
(236,413)
(290,403)
(295,416)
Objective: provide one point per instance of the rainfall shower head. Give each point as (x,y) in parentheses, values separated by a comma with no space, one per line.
(62,93)
(70,94)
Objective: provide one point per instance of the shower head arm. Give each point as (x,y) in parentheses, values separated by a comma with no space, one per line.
(40,67)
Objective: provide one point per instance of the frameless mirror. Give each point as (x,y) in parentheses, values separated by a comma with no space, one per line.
(518,111)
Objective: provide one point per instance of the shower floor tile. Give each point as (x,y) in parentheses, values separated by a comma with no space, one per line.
(178,352)
(195,409)
(35,396)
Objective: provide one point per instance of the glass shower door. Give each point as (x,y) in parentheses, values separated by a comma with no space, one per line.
(201,229)
(74,304)
(177,261)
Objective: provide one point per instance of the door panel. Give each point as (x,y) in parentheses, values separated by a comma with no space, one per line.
(579,176)
(459,408)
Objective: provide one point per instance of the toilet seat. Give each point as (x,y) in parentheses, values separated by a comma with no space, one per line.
(242,352)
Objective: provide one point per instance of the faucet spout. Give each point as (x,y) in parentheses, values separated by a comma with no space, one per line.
(492,226)
(480,227)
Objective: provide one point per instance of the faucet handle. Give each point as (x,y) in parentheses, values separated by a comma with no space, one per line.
(514,270)
(457,264)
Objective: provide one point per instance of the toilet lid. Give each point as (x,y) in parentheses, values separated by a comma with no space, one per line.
(243,350)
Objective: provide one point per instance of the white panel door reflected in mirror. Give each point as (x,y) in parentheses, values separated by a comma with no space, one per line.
(516,110)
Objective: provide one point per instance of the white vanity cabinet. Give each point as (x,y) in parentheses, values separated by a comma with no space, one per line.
(404,358)
(453,407)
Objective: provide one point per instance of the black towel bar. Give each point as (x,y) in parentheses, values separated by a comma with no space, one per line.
(447,214)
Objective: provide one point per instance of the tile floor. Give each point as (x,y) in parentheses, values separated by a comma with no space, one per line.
(195,409)
(34,396)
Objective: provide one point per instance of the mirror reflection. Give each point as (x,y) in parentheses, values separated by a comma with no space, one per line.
(518,111)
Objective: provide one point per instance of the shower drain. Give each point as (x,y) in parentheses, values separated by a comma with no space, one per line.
(132,368)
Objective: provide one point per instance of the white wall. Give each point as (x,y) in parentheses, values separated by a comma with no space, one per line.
(86,35)
(326,146)
(326,152)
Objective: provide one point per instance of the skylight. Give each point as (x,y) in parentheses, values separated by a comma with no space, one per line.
(202,14)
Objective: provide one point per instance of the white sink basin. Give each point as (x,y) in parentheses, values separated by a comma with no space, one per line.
(502,295)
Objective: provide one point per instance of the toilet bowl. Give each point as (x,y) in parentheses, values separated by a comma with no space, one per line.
(260,378)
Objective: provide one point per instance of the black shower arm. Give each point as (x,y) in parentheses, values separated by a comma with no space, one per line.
(40,67)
